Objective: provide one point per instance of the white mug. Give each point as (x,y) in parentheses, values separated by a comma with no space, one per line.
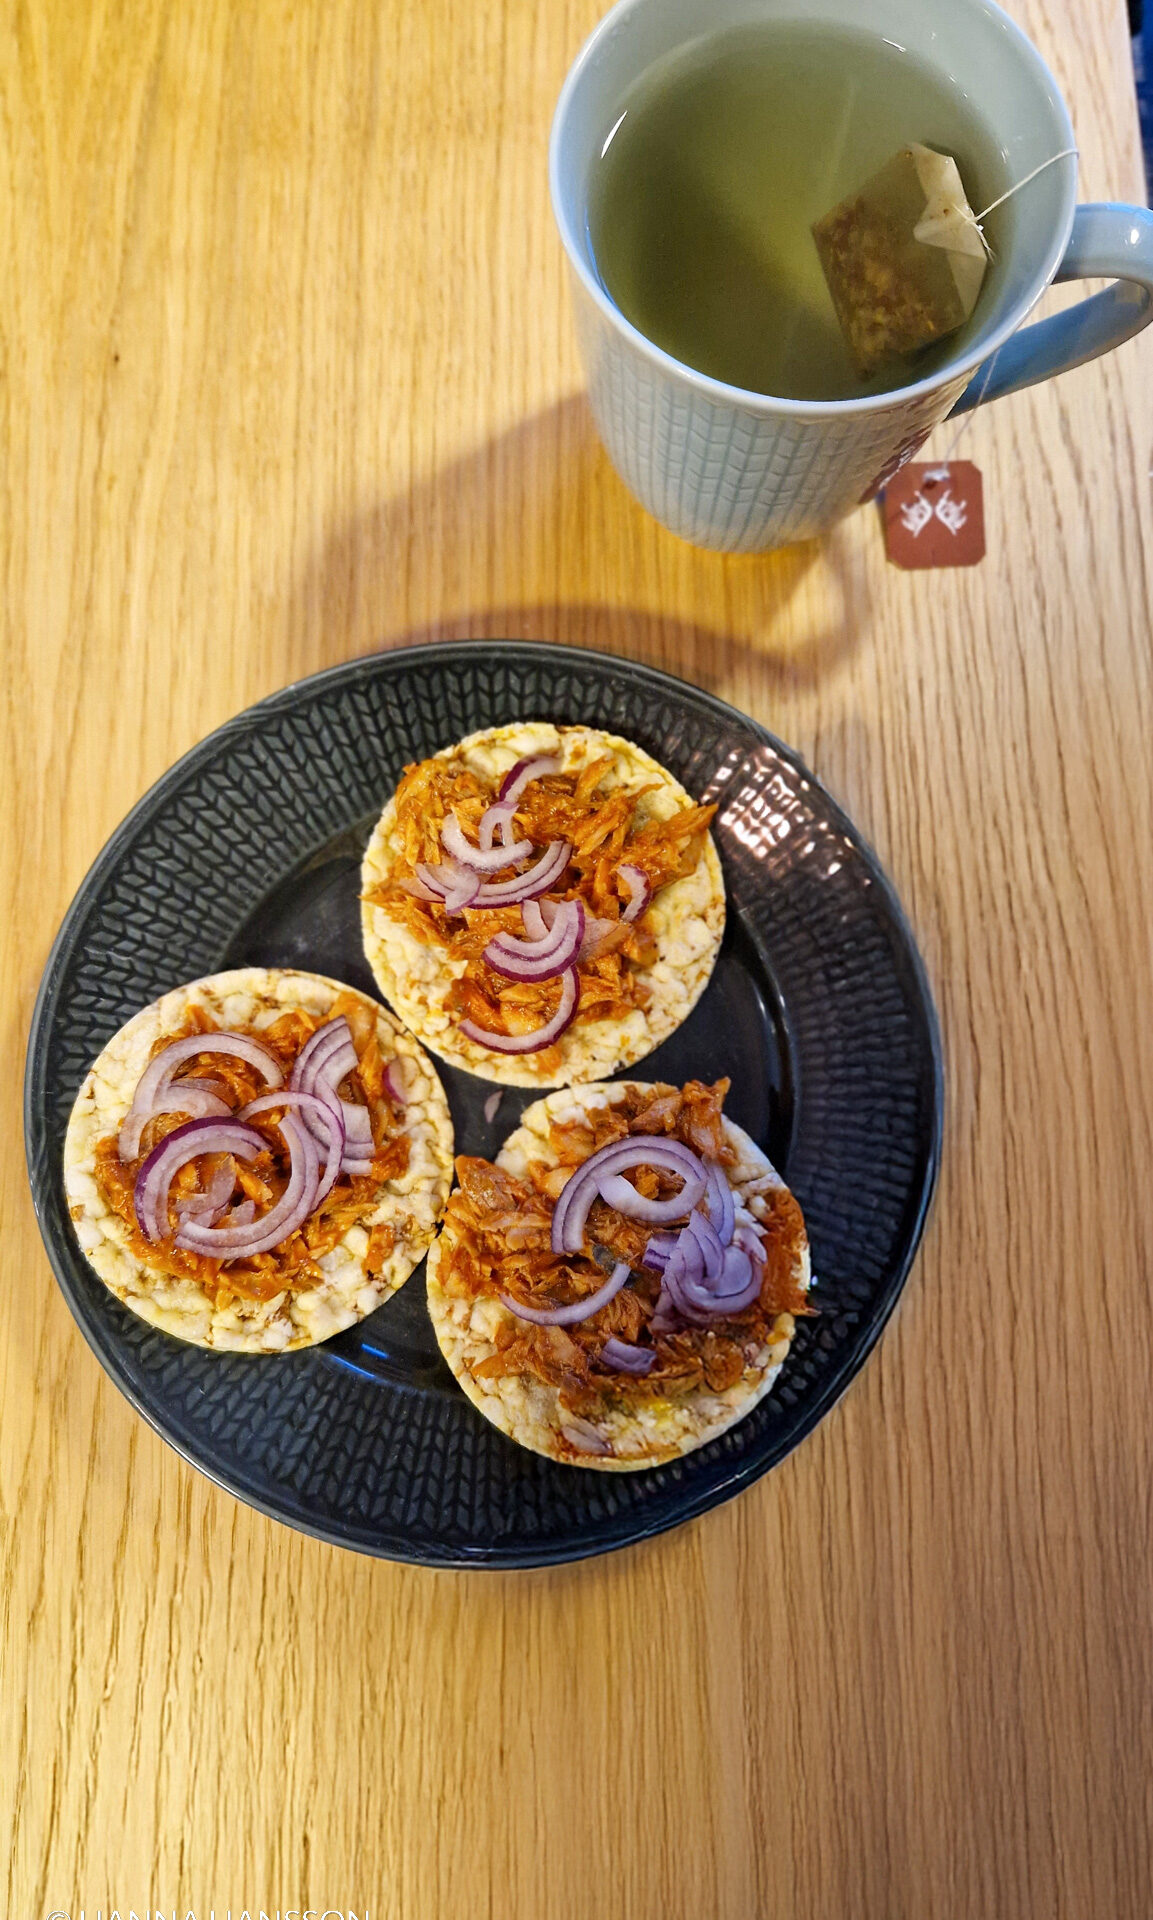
(742,472)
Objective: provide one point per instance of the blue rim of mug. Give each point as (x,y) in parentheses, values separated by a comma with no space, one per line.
(970,360)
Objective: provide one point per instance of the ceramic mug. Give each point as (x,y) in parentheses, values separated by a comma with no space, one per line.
(741,471)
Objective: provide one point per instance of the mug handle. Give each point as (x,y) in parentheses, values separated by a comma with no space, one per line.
(1108,242)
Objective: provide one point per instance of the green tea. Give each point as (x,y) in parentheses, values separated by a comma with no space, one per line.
(716,164)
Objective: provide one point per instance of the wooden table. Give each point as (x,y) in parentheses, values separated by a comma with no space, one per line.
(289,375)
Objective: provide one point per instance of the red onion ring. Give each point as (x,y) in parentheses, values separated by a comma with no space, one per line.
(709,1241)
(750,1241)
(150,1194)
(579,1310)
(158,1073)
(640,891)
(290,1212)
(535,880)
(620,1193)
(183,1096)
(517,778)
(595,930)
(703,1287)
(329,1057)
(496,819)
(625,1358)
(540,1036)
(639,1150)
(395,1083)
(210,1204)
(463,891)
(658,1250)
(481,860)
(312,1110)
(582,1435)
(455,887)
(157,1077)
(540,959)
(722,1204)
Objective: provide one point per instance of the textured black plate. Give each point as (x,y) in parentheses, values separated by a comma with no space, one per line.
(249,851)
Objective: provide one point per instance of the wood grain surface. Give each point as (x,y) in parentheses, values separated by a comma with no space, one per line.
(289,375)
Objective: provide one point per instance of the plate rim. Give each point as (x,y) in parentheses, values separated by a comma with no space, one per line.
(689,1506)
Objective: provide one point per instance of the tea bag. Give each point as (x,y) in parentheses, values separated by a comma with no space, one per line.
(904,257)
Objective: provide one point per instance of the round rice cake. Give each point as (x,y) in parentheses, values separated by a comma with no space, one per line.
(405,1208)
(686,918)
(629,1426)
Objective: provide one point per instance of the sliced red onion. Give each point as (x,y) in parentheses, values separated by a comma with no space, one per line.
(241,1215)
(150,1194)
(535,880)
(722,1204)
(333,1035)
(582,1435)
(517,778)
(545,914)
(579,1310)
(419,890)
(496,819)
(626,1358)
(329,1058)
(158,1073)
(595,930)
(313,1111)
(210,1204)
(640,891)
(491,1105)
(536,920)
(396,1076)
(658,1250)
(183,1096)
(540,959)
(639,1150)
(709,1241)
(480,859)
(740,1282)
(750,1241)
(455,887)
(291,1211)
(702,1288)
(620,1193)
(463,892)
(595,933)
(667,1316)
(357,1128)
(540,1036)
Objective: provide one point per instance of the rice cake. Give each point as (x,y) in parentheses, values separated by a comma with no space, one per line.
(686,918)
(408,1205)
(625,1429)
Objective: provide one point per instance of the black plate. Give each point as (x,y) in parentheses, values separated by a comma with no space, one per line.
(249,851)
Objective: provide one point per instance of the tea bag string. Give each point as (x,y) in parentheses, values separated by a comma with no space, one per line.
(1066,153)
(939,470)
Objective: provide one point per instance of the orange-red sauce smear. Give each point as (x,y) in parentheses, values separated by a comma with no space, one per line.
(499,1229)
(604,833)
(292,1264)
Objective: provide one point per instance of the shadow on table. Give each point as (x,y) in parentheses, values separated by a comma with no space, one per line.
(533,536)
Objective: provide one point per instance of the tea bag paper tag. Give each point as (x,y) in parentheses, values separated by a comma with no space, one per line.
(935,516)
